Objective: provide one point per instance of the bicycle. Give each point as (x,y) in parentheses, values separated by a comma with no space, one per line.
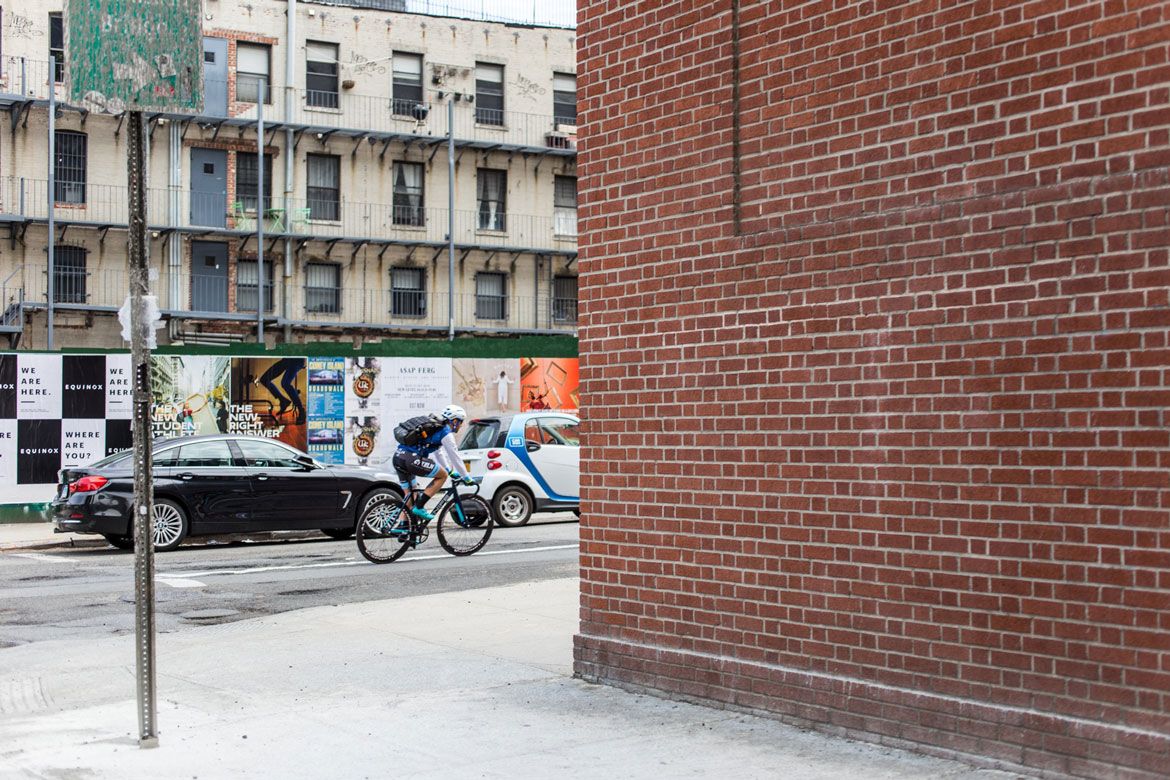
(463,524)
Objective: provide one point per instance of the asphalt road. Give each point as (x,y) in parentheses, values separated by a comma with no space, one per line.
(70,593)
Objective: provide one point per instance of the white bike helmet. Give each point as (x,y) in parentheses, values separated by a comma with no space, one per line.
(453,413)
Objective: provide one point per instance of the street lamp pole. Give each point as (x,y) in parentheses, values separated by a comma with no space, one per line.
(451,218)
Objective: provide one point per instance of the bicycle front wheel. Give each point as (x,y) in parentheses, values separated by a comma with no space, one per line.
(375,540)
(465,525)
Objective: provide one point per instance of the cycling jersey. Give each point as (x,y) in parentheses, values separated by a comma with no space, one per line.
(442,446)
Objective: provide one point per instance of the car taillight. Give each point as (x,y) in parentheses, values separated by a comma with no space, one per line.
(494,454)
(88,484)
(494,464)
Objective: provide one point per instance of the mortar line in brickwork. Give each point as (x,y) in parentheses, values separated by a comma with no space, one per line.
(736,129)
(657,651)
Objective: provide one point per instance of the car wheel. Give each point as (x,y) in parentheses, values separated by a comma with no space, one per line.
(170,525)
(121,541)
(370,497)
(337,533)
(513,505)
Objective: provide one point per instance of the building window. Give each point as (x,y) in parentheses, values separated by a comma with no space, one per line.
(564,98)
(321,74)
(408,194)
(323,288)
(565,205)
(565,299)
(489,94)
(493,188)
(69,274)
(491,299)
(57,45)
(252,68)
(247,177)
(70,166)
(324,187)
(246,279)
(407,90)
(408,295)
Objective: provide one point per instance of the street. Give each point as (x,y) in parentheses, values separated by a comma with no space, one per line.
(79,593)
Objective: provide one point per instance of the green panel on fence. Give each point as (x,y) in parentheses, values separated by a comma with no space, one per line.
(135,54)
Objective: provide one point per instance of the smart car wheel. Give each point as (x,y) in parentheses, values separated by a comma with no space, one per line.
(513,505)
(170,524)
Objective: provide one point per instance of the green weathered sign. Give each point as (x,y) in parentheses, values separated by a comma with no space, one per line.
(135,54)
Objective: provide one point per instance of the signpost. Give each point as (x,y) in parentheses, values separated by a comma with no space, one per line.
(129,56)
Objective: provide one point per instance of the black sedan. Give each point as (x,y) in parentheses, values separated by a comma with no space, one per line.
(216,485)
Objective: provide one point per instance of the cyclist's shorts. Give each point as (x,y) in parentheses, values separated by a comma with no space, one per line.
(410,465)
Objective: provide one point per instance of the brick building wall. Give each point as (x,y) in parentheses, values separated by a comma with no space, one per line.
(875,344)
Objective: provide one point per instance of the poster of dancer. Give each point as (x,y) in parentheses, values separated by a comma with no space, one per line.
(268,399)
(486,387)
(548,383)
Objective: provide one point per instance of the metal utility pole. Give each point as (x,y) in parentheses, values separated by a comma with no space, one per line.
(451,218)
(143,471)
(260,212)
(52,293)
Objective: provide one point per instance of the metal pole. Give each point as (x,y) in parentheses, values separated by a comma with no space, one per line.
(260,213)
(52,190)
(289,100)
(451,219)
(143,477)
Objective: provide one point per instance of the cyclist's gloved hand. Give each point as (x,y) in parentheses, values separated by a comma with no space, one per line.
(467,480)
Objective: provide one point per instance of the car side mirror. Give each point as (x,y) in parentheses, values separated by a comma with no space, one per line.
(306,461)
(531,446)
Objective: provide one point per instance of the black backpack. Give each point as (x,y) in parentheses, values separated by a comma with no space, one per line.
(417,430)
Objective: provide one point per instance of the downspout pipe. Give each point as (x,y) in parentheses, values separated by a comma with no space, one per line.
(290,64)
(450,219)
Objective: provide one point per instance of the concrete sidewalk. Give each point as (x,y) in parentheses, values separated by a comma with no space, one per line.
(456,685)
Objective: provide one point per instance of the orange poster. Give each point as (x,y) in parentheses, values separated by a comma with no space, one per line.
(548,383)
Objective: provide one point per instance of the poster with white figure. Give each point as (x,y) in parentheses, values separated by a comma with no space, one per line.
(38,387)
(119,388)
(82,442)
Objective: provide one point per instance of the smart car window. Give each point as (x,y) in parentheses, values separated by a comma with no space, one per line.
(204,454)
(564,432)
(532,433)
(262,454)
(480,435)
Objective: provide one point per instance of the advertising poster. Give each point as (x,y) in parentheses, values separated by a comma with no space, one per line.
(119,437)
(548,383)
(7,387)
(486,387)
(38,387)
(82,441)
(38,452)
(364,443)
(8,458)
(84,389)
(414,386)
(326,434)
(268,398)
(190,394)
(119,388)
(363,385)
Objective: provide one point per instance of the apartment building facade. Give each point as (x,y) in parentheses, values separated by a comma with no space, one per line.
(361,230)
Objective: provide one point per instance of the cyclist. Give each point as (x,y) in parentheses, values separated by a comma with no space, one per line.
(415,461)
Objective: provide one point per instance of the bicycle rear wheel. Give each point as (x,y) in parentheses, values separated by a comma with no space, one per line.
(465,525)
(374,540)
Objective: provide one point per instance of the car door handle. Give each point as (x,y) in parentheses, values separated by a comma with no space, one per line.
(186,475)
(261,476)
(531,446)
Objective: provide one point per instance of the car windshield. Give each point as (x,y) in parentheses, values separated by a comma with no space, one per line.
(480,434)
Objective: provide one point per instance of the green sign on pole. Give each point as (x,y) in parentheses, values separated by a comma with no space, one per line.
(135,55)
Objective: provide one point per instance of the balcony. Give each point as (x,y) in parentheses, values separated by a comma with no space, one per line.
(356,304)
(377,117)
(106,206)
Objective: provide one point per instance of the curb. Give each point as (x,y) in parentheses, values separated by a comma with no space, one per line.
(95,540)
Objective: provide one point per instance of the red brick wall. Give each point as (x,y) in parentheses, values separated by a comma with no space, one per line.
(878,417)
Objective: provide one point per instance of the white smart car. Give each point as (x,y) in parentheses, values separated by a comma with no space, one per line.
(529,462)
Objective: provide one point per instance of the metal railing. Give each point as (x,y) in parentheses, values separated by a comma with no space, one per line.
(108,204)
(375,112)
(103,287)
